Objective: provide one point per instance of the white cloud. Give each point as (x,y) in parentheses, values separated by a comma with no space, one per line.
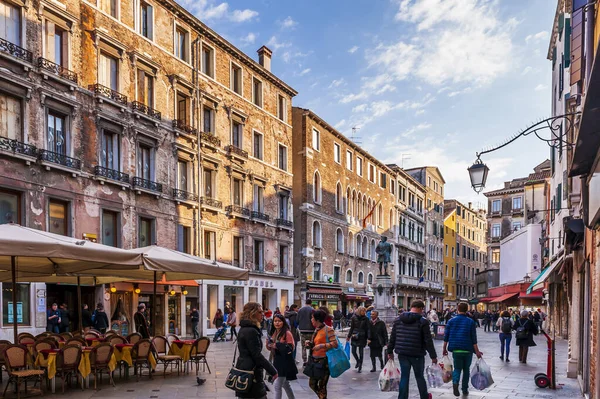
(540,87)
(275,44)
(537,37)
(250,38)
(340,124)
(526,70)
(459,92)
(337,83)
(243,15)
(359,108)
(213,10)
(419,112)
(353,49)
(415,129)
(289,56)
(287,23)
(304,72)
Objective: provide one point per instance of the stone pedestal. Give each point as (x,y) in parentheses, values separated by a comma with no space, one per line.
(383,299)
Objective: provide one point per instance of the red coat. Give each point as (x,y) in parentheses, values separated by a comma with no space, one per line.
(268,314)
(329,321)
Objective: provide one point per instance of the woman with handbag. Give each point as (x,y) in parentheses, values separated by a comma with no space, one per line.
(322,340)
(378,338)
(250,363)
(282,344)
(359,331)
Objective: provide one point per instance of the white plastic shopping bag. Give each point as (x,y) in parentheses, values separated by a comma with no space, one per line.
(389,378)
(446,365)
(434,376)
(481,375)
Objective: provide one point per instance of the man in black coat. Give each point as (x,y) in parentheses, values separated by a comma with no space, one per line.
(411,340)
(140,321)
(64,318)
(378,338)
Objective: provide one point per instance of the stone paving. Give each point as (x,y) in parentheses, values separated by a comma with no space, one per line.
(512,380)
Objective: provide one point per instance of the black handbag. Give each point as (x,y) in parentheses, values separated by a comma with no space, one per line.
(239,380)
(314,369)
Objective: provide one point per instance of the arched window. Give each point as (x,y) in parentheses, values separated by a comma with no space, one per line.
(392,254)
(339,198)
(349,276)
(317,188)
(359,204)
(365,251)
(373,256)
(361,278)
(350,244)
(392,224)
(354,204)
(370,279)
(347,202)
(339,241)
(380,215)
(358,246)
(316,234)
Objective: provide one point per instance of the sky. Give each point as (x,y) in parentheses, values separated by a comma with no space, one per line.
(427,82)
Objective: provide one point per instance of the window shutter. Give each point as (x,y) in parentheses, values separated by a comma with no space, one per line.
(141,85)
(13,24)
(553,57)
(561,23)
(567,48)
(65,50)
(50,53)
(180,246)
(576,46)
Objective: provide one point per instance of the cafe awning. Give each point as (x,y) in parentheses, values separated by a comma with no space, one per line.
(538,283)
(504,297)
(533,295)
(488,299)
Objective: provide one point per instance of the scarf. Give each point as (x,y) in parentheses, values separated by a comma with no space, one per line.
(374,321)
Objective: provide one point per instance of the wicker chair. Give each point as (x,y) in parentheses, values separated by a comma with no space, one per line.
(43,344)
(171,338)
(110,333)
(15,357)
(116,339)
(26,339)
(3,344)
(91,334)
(76,341)
(42,336)
(66,335)
(67,363)
(162,347)
(24,334)
(100,358)
(56,337)
(133,338)
(139,354)
(198,353)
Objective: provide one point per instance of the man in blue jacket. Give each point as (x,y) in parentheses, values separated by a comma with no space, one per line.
(460,338)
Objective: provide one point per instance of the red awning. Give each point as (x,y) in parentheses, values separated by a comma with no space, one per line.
(357,297)
(539,294)
(488,299)
(504,297)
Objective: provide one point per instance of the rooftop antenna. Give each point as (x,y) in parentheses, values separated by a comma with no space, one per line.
(354,137)
(403,157)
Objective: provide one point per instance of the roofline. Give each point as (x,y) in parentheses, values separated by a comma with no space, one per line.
(431,166)
(499,191)
(560,5)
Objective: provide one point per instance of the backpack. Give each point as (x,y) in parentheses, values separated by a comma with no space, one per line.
(522,333)
(506,325)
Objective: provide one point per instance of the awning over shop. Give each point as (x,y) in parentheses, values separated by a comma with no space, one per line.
(488,299)
(504,297)
(357,297)
(533,295)
(324,294)
(538,283)
(474,301)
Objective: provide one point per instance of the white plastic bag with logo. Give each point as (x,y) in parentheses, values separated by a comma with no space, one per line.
(389,378)
(434,376)
(446,365)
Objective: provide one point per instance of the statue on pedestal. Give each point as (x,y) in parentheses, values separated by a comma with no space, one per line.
(383,251)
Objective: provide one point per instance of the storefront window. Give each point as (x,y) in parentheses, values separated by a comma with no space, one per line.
(212,304)
(284,300)
(252,295)
(9,207)
(234,296)
(22,304)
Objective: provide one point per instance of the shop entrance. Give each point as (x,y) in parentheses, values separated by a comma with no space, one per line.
(147,299)
(174,312)
(268,299)
(233,297)
(190,303)
(65,293)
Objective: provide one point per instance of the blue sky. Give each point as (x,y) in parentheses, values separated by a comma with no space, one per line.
(429,82)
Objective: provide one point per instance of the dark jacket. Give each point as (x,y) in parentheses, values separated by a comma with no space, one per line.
(378,334)
(195,316)
(337,315)
(304,316)
(140,324)
(86,318)
(359,331)
(531,329)
(101,321)
(411,336)
(64,318)
(461,333)
(250,357)
(292,318)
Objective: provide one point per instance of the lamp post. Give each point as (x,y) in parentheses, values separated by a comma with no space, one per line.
(478,173)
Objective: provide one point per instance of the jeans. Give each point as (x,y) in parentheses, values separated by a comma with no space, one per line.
(337,324)
(195,329)
(505,341)
(360,355)
(418,366)
(232,333)
(283,383)
(462,363)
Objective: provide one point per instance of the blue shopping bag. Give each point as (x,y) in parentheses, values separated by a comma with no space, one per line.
(337,359)
(347,349)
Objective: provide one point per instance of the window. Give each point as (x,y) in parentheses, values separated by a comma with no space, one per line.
(111,232)
(208,119)
(184,239)
(236,134)
(317,188)
(361,278)
(517,203)
(57,133)
(496,230)
(145,88)
(10,22)
(145,167)
(257,145)
(316,140)
(237,192)
(382,180)
(317,271)
(259,255)
(284,202)
(110,157)
(339,198)
(339,241)
(283,259)
(57,44)
(182,175)
(11,116)
(371,175)
(183,109)
(349,276)
(208,178)
(393,186)
(316,234)
(258,203)
(209,245)
(58,217)
(283,157)
(257,92)
(108,71)
(146,233)
(236,78)
(111,7)
(495,255)
(238,251)
(282,109)
(23,304)
(370,279)
(337,155)
(359,166)
(181,44)
(146,20)
(516,226)
(464,251)
(208,59)
(10,207)
(402,193)
(336,274)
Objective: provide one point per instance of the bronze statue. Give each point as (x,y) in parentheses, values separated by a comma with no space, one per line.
(383,251)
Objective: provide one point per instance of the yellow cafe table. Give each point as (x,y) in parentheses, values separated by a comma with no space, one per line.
(122,353)
(182,348)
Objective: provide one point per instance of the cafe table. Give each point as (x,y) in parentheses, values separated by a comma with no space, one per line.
(182,348)
(122,353)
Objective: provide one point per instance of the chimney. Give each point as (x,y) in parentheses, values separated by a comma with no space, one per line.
(470,203)
(264,57)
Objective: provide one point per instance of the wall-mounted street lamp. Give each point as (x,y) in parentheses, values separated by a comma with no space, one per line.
(136,288)
(478,173)
(183,290)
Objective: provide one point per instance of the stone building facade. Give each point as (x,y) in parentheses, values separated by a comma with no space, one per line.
(450,256)
(115,133)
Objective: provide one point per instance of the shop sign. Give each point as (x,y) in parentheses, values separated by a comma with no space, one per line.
(255,283)
(322,297)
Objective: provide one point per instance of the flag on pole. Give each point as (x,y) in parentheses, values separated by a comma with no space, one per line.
(364,222)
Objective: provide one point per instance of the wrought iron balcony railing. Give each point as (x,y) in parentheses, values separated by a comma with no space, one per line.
(284,222)
(237,151)
(147,184)
(143,108)
(181,125)
(57,69)
(210,138)
(211,202)
(238,209)
(15,50)
(114,95)
(260,216)
(111,174)
(182,195)
(18,147)
(60,159)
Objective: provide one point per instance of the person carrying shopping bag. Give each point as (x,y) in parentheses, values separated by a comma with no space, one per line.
(378,338)
(357,335)
(282,344)
(317,368)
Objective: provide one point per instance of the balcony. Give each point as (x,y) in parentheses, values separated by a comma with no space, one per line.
(146,110)
(57,69)
(211,140)
(237,152)
(15,51)
(107,92)
(184,196)
(284,223)
(256,215)
(408,280)
(69,164)
(183,126)
(233,210)
(211,203)
(18,149)
(111,175)
(149,186)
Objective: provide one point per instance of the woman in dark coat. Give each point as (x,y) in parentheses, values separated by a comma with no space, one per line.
(250,347)
(378,338)
(218,319)
(359,331)
(281,344)
(525,343)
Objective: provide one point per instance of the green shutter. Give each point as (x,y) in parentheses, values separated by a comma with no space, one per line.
(558,197)
(553,57)
(567,48)
(561,23)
